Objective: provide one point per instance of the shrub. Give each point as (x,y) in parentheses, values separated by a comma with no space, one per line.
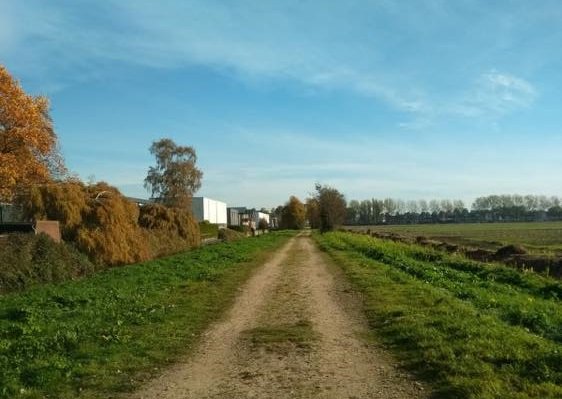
(109,232)
(26,259)
(66,202)
(108,227)
(168,230)
(230,235)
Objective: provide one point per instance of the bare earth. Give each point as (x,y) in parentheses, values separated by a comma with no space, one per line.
(295,331)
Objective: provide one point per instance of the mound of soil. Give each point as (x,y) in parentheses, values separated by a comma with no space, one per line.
(230,235)
(536,263)
(481,255)
(509,251)
(451,248)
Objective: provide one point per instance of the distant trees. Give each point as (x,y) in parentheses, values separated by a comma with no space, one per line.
(332,207)
(514,207)
(293,214)
(28,143)
(484,209)
(527,203)
(175,178)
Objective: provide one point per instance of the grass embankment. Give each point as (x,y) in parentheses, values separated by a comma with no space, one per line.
(102,335)
(538,237)
(208,230)
(472,330)
(29,259)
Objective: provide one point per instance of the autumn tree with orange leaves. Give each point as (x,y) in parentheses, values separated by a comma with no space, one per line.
(28,144)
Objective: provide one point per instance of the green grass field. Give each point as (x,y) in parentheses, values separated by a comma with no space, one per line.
(540,237)
(472,330)
(99,336)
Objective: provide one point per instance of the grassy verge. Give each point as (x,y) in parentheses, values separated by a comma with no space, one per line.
(100,336)
(28,259)
(471,330)
(208,230)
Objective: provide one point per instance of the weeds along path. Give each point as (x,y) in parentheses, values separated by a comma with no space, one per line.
(294,332)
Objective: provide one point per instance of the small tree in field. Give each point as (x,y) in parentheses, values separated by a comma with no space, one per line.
(332,207)
(175,178)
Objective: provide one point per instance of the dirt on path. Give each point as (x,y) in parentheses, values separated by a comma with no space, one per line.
(295,331)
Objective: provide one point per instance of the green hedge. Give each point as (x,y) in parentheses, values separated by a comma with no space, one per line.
(28,259)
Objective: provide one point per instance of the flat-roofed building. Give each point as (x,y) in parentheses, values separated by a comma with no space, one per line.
(208,209)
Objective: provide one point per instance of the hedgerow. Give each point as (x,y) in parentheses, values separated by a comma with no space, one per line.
(108,227)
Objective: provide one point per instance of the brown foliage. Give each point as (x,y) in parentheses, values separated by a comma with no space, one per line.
(68,202)
(229,235)
(107,226)
(110,233)
(28,143)
(169,229)
(293,215)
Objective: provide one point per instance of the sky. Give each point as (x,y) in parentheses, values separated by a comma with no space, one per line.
(425,99)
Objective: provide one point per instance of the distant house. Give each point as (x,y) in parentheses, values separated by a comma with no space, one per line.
(263,215)
(208,209)
(250,217)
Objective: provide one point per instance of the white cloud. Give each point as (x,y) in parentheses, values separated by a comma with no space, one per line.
(497,93)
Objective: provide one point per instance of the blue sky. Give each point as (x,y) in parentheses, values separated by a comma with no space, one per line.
(425,99)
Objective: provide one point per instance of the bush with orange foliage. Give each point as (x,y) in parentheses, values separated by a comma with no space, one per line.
(28,144)
(169,230)
(112,230)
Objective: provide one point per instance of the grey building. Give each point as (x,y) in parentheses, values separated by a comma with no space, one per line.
(233,217)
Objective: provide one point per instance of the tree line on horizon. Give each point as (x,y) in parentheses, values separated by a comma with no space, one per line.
(490,208)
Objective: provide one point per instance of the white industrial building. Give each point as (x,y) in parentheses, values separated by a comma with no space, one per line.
(262,215)
(248,217)
(210,210)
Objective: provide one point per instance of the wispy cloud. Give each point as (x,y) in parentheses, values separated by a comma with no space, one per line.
(497,93)
(296,41)
(313,43)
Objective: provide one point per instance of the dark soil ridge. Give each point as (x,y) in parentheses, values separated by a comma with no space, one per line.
(511,255)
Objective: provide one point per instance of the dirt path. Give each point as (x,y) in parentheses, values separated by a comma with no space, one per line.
(294,332)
